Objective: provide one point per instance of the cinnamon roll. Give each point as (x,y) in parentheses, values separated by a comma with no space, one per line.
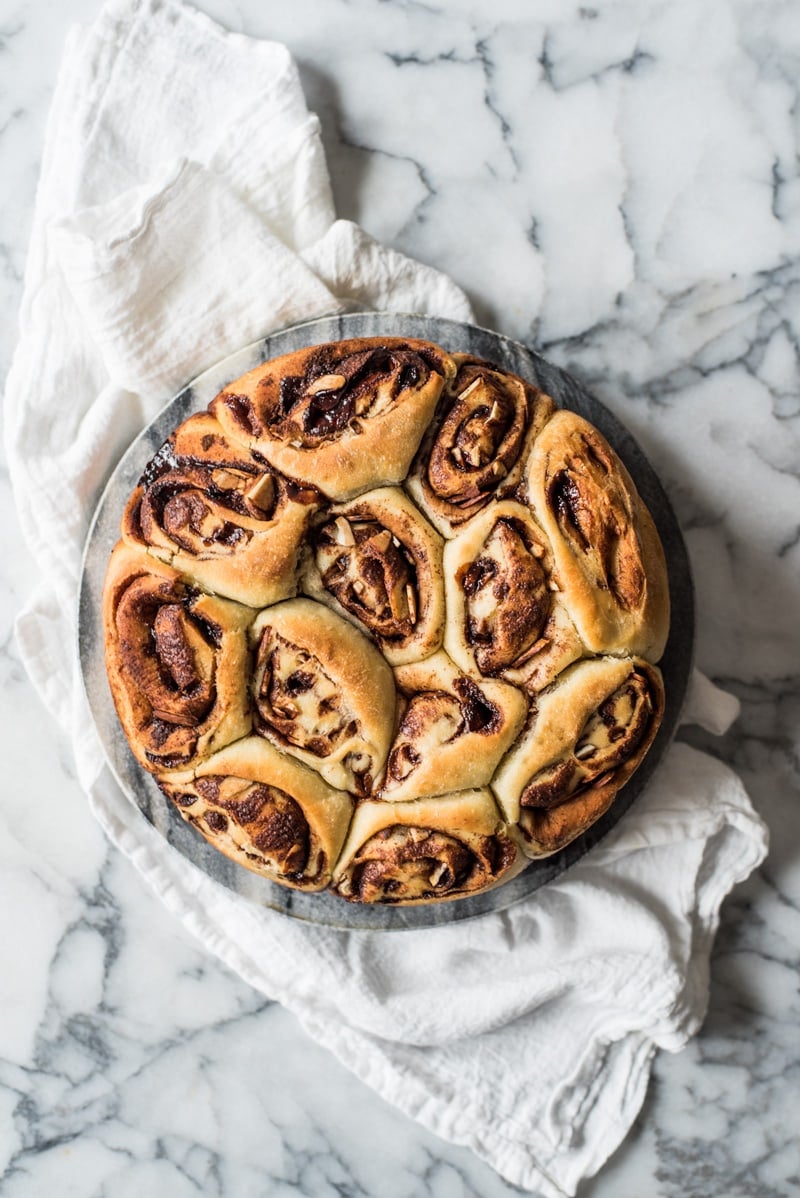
(486,423)
(346,416)
(323,693)
(426,850)
(504,615)
(177,662)
(224,520)
(453,730)
(381,619)
(586,735)
(605,546)
(265,811)
(378,562)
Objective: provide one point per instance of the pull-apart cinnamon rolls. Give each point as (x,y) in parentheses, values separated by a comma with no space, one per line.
(383,621)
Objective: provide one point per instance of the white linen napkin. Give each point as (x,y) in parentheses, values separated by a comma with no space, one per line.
(177,219)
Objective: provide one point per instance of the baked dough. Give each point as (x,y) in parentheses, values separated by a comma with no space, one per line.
(426,850)
(345,416)
(477,445)
(229,523)
(585,736)
(383,621)
(265,811)
(378,561)
(453,732)
(505,615)
(606,549)
(323,693)
(177,662)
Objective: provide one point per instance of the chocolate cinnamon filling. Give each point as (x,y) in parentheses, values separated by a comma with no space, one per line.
(480,438)
(168,665)
(199,489)
(164,653)
(594,514)
(271,819)
(371,574)
(435,718)
(401,863)
(507,597)
(296,700)
(479,714)
(608,740)
(243,412)
(334,392)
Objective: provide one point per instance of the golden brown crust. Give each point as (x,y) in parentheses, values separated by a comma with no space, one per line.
(426,850)
(226,521)
(453,731)
(476,447)
(346,416)
(504,613)
(265,811)
(378,562)
(607,553)
(475,632)
(586,735)
(177,662)
(323,693)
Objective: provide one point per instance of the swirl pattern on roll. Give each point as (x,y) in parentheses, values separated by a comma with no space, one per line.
(605,546)
(588,733)
(379,562)
(453,732)
(348,415)
(323,693)
(177,662)
(505,615)
(210,509)
(475,451)
(265,811)
(426,850)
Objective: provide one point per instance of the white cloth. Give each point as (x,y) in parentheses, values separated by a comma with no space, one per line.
(177,219)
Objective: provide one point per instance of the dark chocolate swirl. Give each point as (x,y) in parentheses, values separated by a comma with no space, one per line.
(371,574)
(609,739)
(478,447)
(259,821)
(594,512)
(228,521)
(334,392)
(177,666)
(405,863)
(507,596)
(296,700)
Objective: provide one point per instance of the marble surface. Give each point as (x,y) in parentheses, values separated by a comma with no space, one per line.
(615,184)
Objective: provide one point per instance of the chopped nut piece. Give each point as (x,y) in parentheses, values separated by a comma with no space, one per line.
(411,599)
(226,479)
(328,382)
(262,492)
(343,533)
(468,390)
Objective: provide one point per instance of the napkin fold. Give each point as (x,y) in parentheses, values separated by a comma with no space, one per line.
(178,218)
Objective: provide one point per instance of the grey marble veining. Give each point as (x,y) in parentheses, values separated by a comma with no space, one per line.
(615,184)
